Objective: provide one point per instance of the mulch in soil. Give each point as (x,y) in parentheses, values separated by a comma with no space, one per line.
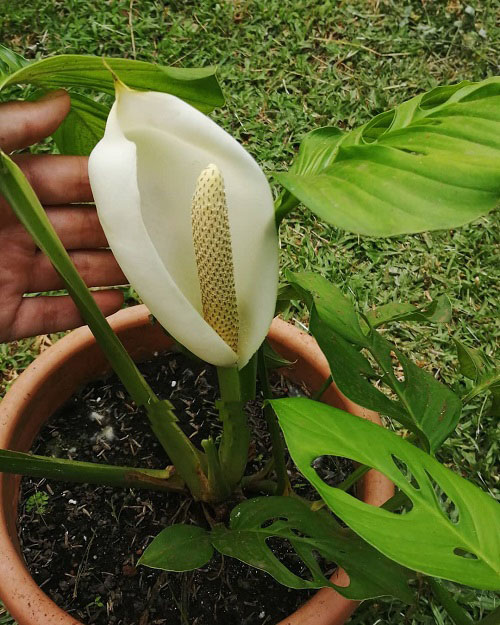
(82,542)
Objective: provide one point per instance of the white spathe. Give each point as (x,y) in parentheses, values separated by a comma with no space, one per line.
(143,175)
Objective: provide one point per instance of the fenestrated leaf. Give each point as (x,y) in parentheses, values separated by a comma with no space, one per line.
(197,86)
(433,162)
(179,548)
(255,521)
(465,550)
(83,127)
(424,405)
(439,311)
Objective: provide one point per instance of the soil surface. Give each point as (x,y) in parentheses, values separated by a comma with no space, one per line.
(82,542)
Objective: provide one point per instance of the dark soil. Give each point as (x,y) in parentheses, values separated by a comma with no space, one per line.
(82,542)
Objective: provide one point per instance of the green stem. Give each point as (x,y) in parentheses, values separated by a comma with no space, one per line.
(354,477)
(319,393)
(277,442)
(258,475)
(285,203)
(396,501)
(262,486)
(190,463)
(88,472)
(217,483)
(235,441)
(345,485)
(25,204)
(444,596)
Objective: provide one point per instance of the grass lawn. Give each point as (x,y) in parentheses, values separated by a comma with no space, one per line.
(286,67)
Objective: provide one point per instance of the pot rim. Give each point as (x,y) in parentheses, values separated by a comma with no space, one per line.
(21,595)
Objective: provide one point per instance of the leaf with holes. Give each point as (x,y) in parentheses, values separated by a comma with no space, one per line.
(460,543)
(256,521)
(83,127)
(432,162)
(424,405)
(179,548)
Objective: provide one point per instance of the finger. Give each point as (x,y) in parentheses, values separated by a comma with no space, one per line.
(43,315)
(55,178)
(25,123)
(78,227)
(97,268)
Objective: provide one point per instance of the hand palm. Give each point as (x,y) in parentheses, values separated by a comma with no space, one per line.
(60,182)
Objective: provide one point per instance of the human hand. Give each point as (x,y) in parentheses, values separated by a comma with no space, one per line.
(60,183)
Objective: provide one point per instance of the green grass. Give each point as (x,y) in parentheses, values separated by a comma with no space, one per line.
(5,618)
(288,66)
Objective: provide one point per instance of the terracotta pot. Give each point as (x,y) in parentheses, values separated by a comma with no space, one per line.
(60,371)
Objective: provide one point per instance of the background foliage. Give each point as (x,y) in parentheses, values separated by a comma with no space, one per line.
(288,66)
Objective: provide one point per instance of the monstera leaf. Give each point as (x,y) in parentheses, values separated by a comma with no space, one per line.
(452,529)
(432,162)
(257,521)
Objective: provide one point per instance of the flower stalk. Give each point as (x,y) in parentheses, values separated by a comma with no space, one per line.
(235,441)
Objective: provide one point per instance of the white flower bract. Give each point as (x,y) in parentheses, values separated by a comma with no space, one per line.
(144,175)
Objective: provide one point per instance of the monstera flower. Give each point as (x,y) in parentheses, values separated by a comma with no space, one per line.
(189,216)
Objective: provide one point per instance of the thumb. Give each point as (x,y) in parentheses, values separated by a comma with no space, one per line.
(25,123)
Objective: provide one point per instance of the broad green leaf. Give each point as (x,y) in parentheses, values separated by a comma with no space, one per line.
(353,372)
(83,127)
(424,405)
(197,86)
(333,307)
(433,162)
(179,548)
(10,61)
(317,150)
(461,544)
(255,521)
(439,311)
